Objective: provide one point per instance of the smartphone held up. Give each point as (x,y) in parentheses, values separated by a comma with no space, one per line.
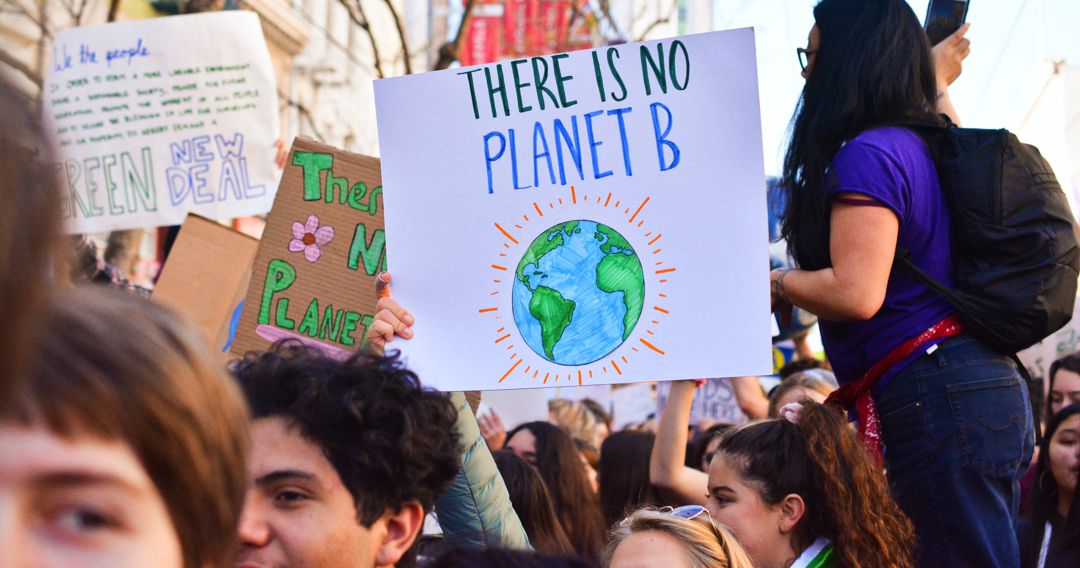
(943,17)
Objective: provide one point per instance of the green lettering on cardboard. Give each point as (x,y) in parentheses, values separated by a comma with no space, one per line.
(348,327)
(371,252)
(281,315)
(358,191)
(330,328)
(279,276)
(310,325)
(313,164)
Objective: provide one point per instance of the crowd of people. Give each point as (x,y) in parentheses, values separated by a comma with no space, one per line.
(124,441)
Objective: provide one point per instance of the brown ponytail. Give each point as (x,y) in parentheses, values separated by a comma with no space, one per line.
(821,460)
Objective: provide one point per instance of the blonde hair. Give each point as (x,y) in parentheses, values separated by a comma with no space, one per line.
(707,544)
(575,419)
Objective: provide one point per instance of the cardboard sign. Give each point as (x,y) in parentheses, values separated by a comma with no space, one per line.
(593,217)
(714,402)
(206,276)
(157,118)
(324,243)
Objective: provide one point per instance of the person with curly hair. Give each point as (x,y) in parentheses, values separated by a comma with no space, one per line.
(803,488)
(347,458)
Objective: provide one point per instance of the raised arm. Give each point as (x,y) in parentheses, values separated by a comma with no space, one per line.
(949,58)
(476,511)
(666,466)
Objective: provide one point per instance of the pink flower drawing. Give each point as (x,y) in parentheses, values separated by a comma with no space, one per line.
(310,238)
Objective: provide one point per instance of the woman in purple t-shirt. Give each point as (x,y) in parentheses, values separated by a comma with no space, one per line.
(952,415)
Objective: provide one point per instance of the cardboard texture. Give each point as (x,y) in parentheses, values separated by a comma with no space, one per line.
(314,275)
(206,276)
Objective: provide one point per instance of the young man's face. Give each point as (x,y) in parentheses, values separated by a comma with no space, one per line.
(297,512)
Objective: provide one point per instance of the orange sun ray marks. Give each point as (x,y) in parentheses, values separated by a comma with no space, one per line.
(506,245)
(514,355)
(655,322)
(657,251)
(590,373)
(509,347)
(634,349)
(495,293)
(665,271)
(502,338)
(656,238)
(573,195)
(649,331)
(579,377)
(616,365)
(627,210)
(526,217)
(598,198)
(604,368)
(519,226)
(560,201)
(551,205)
(503,254)
(536,373)
(663,295)
(527,368)
(608,200)
(507,235)
(511,370)
(538,210)
(497,281)
(624,359)
(659,262)
(546,375)
(640,223)
(651,346)
(661,310)
(640,207)
(500,330)
(486,310)
(649,234)
(497,267)
(617,204)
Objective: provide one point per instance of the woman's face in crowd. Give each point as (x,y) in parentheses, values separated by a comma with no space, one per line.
(738,506)
(813,42)
(1066,390)
(523,444)
(83,502)
(647,549)
(1063,454)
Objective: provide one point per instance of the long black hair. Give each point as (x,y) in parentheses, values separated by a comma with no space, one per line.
(532,502)
(625,484)
(873,68)
(1044,492)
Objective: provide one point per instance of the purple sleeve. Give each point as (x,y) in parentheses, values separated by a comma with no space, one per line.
(867,170)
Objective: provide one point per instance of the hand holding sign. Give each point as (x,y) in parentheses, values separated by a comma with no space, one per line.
(390,318)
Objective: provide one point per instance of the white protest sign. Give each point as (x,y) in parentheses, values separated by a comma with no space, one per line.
(593,217)
(1062,342)
(713,402)
(632,405)
(516,407)
(157,118)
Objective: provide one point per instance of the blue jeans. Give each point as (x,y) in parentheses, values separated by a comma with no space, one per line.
(958,434)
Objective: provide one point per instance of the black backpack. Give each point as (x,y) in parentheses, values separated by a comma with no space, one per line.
(1014,237)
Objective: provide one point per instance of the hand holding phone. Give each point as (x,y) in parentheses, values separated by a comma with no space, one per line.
(943,17)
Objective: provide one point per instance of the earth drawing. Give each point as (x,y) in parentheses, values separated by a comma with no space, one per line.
(578,292)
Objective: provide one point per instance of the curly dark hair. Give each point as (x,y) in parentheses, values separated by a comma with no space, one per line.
(847,497)
(390,441)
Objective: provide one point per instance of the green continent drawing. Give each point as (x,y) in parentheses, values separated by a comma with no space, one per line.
(578,292)
(555,314)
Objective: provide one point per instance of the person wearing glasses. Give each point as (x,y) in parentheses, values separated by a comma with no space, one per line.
(954,415)
(674,538)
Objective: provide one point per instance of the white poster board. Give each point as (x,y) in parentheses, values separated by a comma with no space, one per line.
(594,217)
(157,118)
(714,402)
(516,407)
(633,405)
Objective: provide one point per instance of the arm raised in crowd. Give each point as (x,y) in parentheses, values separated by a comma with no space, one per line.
(949,57)
(667,468)
(751,397)
(475,512)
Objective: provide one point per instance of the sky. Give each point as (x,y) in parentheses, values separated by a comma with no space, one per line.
(1011,40)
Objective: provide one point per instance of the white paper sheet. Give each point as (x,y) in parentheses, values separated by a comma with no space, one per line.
(157,118)
(661,271)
